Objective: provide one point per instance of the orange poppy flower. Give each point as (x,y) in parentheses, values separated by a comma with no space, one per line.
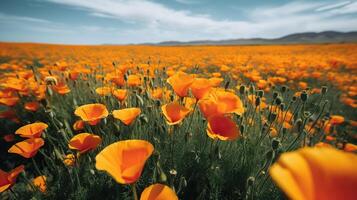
(9,101)
(222,127)
(215,82)
(221,102)
(336,119)
(127,115)
(103,91)
(157,93)
(92,113)
(27,148)
(158,192)
(84,142)
(61,88)
(78,125)
(33,130)
(308,174)
(349,147)
(120,94)
(174,112)
(200,87)
(32,106)
(181,82)
(69,160)
(134,80)
(8,179)
(40,183)
(124,160)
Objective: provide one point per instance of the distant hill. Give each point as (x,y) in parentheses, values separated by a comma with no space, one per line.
(297,38)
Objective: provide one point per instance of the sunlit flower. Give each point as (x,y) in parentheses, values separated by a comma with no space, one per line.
(124,160)
(126,115)
(181,82)
(92,113)
(27,148)
(158,192)
(120,94)
(84,142)
(174,112)
(222,127)
(8,179)
(40,183)
(316,173)
(33,130)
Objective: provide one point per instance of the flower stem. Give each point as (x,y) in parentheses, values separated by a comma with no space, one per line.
(135,195)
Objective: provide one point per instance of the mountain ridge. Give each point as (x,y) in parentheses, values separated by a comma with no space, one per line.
(295,38)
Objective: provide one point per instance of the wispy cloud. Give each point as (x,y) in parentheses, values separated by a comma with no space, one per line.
(188,1)
(10,18)
(150,21)
(333,6)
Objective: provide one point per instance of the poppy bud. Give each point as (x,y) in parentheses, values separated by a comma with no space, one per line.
(269,155)
(261,93)
(324,89)
(278,101)
(226,85)
(242,129)
(275,144)
(250,181)
(298,125)
(293,99)
(275,95)
(252,89)
(282,106)
(158,103)
(303,96)
(272,117)
(257,101)
(242,89)
(283,89)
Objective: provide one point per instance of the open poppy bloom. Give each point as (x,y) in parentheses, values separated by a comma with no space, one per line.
(84,142)
(8,179)
(181,82)
(221,102)
(200,87)
(103,91)
(61,88)
(156,93)
(222,127)
(33,130)
(126,115)
(92,113)
(40,183)
(316,173)
(9,101)
(124,160)
(158,192)
(337,119)
(134,80)
(174,112)
(120,94)
(32,106)
(27,148)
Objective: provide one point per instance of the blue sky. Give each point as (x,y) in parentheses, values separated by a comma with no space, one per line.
(138,21)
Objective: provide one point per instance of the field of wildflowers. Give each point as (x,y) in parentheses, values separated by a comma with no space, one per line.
(190,122)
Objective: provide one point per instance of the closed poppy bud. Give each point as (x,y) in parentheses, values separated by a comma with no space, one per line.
(69,160)
(27,148)
(303,96)
(84,142)
(257,101)
(33,130)
(324,90)
(242,89)
(316,173)
(222,127)
(127,115)
(158,192)
(124,160)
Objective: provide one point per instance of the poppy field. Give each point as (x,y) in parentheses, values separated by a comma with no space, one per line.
(178,122)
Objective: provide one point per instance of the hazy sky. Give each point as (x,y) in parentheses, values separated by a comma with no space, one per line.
(137,21)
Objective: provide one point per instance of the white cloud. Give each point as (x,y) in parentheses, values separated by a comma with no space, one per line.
(10,18)
(152,22)
(333,6)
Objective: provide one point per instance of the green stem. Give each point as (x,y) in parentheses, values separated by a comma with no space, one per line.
(135,194)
